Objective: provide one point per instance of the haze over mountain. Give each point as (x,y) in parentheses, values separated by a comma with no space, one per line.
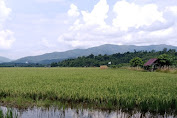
(4,59)
(103,49)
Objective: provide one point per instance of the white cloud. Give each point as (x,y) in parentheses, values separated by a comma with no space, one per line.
(87,27)
(163,32)
(134,24)
(132,15)
(73,11)
(6,36)
(172,9)
(6,39)
(46,1)
(97,15)
(46,43)
(4,11)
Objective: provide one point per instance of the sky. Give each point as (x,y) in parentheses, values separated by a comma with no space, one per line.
(35,27)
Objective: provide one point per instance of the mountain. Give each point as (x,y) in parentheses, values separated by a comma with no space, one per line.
(103,49)
(4,59)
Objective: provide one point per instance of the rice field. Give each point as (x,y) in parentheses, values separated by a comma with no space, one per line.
(107,89)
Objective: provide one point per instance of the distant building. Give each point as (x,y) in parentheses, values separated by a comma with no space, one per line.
(151,64)
(109,63)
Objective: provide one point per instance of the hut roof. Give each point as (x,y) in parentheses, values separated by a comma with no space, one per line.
(150,62)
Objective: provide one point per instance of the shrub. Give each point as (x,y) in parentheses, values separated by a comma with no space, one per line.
(135,62)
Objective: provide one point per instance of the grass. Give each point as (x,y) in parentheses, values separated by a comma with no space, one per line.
(107,89)
(168,70)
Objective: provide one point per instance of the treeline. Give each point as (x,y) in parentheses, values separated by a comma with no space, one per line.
(115,59)
(21,65)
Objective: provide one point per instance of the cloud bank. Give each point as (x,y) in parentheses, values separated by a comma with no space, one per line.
(132,24)
(136,16)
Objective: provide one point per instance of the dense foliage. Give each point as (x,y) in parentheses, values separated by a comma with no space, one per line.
(109,88)
(165,60)
(136,62)
(21,65)
(115,59)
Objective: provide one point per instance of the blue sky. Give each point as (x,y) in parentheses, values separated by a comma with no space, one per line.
(34,27)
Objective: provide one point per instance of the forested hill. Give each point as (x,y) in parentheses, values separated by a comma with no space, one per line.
(103,49)
(115,59)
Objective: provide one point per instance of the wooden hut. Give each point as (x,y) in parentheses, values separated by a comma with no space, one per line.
(151,64)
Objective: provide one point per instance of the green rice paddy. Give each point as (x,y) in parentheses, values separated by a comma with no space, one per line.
(108,89)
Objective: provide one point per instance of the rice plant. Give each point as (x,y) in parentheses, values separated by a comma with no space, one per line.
(110,88)
(8,114)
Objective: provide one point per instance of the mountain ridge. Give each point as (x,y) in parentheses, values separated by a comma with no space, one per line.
(4,59)
(103,49)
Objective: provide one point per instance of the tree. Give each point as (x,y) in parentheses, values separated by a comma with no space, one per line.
(136,62)
(118,58)
(54,64)
(171,51)
(91,56)
(164,60)
(152,51)
(165,50)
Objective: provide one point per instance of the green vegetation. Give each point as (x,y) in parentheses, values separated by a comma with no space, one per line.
(136,62)
(21,65)
(167,70)
(106,89)
(165,60)
(119,59)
